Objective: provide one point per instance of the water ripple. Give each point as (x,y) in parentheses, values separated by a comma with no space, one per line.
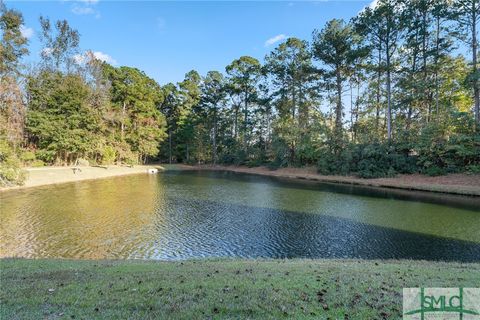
(180,216)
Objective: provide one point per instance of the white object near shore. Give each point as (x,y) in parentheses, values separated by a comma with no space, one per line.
(152,170)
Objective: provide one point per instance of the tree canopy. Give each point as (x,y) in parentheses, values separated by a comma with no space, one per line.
(393,90)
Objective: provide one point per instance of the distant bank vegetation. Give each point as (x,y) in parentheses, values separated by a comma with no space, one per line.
(394,90)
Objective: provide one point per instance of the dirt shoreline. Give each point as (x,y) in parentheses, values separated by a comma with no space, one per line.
(460,184)
(55,175)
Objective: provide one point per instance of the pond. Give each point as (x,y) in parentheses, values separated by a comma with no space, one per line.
(192,214)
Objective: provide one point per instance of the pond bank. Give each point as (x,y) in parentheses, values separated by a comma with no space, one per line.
(54,175)
(263,289)
(461,184)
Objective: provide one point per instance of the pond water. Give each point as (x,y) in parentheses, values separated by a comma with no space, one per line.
(189,214)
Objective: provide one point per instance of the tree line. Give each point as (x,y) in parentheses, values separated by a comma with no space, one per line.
(71,107)
(393,90)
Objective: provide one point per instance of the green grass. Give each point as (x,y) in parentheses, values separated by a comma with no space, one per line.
(199,289)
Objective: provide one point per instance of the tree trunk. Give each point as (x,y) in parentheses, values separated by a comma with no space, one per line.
(236,122)
(294,102)
(245,110)
(389,93)
(425,71)
(267,136)
(476,92)
(357,111)
(124,108)
(351,110)
(437,53)
(170,146)
(215,136)
(377,114)
(338,109)
(292,145)
(414,71)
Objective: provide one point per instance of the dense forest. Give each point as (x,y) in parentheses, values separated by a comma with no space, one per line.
(394,90)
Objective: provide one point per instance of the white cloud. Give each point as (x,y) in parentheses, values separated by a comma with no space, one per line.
(373,4)
(82,10)
(85,7)
(26,32)
(104,57)
(84,57)
(275,39)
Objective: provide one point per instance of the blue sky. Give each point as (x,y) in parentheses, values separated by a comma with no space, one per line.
(166,39)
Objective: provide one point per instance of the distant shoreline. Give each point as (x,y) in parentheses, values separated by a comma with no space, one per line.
(42,176)
(459,184)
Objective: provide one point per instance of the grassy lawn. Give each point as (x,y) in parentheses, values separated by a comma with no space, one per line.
(319,289)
